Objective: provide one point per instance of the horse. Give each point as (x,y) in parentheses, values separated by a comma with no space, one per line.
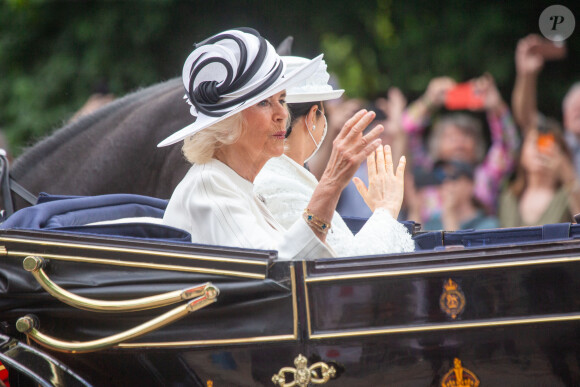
(112,150)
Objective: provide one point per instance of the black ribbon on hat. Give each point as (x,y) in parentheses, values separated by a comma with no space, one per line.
(206,96)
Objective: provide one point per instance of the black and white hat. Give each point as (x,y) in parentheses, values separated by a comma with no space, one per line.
(230,72)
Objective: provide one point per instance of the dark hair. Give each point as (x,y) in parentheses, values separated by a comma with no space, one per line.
(467,123)
(548,125)
(298,110)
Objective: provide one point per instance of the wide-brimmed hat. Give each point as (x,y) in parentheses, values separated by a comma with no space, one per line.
(313,89)
(230,72)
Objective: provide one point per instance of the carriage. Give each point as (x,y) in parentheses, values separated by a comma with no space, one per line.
(89,301)
(95,291)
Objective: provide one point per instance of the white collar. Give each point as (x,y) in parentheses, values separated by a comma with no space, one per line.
(246,185)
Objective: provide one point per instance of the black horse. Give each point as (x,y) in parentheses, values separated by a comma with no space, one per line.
(112,150)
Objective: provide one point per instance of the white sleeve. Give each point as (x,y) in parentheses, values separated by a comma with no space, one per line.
(381,234)
(285,203)
(218,213)
(384,233)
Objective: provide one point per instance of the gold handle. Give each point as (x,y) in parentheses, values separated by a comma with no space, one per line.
(303,375)
(28,324)
(35,265)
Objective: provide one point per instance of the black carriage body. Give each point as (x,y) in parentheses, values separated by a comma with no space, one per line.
(503,315)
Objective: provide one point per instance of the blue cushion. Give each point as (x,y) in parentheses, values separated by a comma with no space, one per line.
(73,213)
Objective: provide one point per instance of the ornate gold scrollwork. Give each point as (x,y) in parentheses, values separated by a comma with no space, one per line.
(28,325)
(452,300)
(317,373)
(35,265)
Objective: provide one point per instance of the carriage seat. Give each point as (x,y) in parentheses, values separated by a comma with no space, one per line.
(138,216)
(435,240)
(125,215)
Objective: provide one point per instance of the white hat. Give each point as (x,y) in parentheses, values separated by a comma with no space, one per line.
(315,88)
(230,72)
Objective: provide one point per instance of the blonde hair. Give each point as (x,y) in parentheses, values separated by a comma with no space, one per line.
(200,147)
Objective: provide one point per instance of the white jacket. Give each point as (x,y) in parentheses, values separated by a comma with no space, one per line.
(287,188)
(218,207)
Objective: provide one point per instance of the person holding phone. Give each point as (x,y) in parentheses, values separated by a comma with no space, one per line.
(531,54)
(458,136)
(545,188)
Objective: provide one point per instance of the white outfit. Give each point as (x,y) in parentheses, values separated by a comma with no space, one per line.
(218,207)
(287,188)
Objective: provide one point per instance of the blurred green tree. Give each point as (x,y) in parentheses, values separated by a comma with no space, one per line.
(55,54)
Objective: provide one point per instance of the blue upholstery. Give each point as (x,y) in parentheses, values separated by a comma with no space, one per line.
(355,224)
(73,213)
(479,238)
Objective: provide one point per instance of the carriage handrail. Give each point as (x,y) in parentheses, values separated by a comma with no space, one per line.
(35,264)
(28,325)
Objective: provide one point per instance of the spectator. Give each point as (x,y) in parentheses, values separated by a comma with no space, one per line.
(545,188)
(460,209)
(459,137)
(531,54)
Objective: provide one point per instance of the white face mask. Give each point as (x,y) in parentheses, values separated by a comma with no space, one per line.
(312,137)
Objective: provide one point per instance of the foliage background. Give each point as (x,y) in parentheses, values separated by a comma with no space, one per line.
(55,54)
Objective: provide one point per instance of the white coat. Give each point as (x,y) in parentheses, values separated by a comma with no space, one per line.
(218,207)
(287,188)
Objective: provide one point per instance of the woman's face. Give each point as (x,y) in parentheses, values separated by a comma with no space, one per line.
(264,130)
(455,144)
(532,159)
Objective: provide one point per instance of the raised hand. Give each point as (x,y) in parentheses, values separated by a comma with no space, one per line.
(485,86)
(350,148)
(393,108)
(528,59)
(386,187)
(436,91)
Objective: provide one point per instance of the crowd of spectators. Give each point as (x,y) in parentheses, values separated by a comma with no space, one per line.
(474,161)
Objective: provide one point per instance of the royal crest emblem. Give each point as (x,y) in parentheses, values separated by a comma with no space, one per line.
(452,300)
(302,375)
(459,376)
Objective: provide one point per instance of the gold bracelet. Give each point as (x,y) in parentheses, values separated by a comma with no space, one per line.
(315,222)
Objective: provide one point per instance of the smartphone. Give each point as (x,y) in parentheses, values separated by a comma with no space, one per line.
(545,142)
(550,50)
(462,97)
